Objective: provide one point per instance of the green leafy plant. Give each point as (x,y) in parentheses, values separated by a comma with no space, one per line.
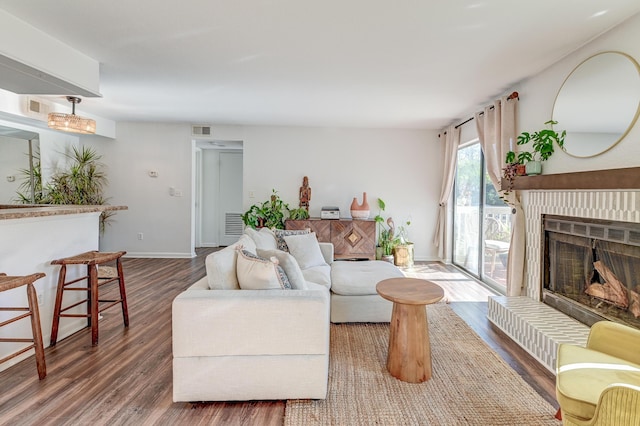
(30,190)
(542,144)
(82,182)
(270,214)
(386,231)
(298,214)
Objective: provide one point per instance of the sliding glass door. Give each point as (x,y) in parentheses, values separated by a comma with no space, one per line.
(482,221)
(466,228)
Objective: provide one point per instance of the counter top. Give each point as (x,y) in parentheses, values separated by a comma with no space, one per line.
(18,211)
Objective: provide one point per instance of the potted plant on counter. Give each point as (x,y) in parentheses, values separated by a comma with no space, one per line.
(542,147)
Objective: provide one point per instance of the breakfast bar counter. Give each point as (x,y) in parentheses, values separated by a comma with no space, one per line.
(31,236)
(19,211)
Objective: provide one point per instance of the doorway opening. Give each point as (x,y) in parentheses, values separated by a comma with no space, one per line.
(217,193)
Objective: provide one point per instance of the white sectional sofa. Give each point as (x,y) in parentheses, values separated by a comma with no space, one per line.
(233,342)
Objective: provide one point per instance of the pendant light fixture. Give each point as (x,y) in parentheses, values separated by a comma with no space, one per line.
(72,122)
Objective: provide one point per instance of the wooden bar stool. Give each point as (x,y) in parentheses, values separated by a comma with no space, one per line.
(95,305)
(8,283)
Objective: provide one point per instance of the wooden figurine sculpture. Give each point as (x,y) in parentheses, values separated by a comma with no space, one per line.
(305,194)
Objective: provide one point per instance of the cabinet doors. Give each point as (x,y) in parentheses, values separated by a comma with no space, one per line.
(354,239)
(351,239)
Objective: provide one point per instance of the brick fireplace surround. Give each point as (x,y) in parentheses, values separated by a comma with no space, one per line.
(537,327)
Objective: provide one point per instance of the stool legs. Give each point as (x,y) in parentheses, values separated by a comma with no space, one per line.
(58,305)
(37,332)
(92,307)
(123,294)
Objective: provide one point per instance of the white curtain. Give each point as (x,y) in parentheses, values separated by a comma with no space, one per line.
(497,132)
(451,140)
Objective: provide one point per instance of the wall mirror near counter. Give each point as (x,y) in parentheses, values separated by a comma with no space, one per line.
(18,163)
(598,103)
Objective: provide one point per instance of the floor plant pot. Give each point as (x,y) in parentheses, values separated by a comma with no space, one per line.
(378,253)
(403,255)
(387,258)
(534,168)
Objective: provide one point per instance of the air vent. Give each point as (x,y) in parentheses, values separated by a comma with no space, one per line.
(35,108)
(201,130)
(233,224)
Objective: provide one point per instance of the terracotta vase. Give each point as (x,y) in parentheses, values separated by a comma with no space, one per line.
(360,211)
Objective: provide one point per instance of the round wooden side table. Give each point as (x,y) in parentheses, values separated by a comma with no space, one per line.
(409,357)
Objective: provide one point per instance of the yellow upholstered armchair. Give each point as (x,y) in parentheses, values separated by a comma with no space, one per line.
(600,384)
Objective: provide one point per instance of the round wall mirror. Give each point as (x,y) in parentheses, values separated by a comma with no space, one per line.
(598,103)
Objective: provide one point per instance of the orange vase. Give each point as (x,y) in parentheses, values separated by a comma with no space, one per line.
(360,211)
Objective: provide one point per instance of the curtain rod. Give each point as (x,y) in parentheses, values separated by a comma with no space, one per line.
(513,95)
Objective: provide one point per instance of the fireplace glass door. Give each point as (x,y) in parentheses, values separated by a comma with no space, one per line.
(591,269)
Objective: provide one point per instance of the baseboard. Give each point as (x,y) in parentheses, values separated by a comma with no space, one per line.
(155,255)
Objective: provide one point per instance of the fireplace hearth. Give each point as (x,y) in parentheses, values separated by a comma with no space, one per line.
(591,269)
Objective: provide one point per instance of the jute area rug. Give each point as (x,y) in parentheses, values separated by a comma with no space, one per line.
(471,384)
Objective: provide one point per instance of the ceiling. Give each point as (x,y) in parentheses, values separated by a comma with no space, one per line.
(418,64)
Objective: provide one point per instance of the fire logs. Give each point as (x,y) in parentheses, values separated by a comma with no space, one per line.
(614,291)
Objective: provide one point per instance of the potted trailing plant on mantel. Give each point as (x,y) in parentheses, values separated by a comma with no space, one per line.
(542,148)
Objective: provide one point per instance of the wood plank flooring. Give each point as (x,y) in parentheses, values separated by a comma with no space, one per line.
(126,379)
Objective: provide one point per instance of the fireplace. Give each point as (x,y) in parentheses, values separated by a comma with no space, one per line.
(591,269)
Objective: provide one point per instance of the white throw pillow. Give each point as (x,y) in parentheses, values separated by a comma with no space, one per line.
(221,269)
(256,273)
(305,249)
(264,238)
(290,266)
(281,233)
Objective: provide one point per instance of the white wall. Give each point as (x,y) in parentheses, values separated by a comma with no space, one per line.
(403,167)
(163,219)
(538,94)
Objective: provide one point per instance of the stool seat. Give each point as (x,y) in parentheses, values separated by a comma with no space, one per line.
(90,258)
(95,278)
(9,283)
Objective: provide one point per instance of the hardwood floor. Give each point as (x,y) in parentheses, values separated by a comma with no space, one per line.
(127,378)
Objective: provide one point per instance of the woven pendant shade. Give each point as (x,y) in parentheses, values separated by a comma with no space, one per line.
(71,122)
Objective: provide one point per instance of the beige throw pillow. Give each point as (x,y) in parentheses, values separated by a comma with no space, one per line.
(306,250)
(256,273)
(290,266)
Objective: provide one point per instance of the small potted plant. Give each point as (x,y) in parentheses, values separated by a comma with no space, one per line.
(298,214)
(543,147)
(403,251)
(386,235)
